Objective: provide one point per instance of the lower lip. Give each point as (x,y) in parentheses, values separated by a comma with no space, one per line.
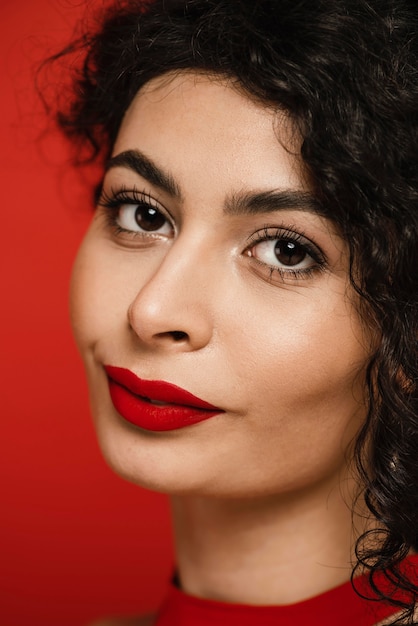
(148,416)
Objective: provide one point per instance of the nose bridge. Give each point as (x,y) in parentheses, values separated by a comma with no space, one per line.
(176,299)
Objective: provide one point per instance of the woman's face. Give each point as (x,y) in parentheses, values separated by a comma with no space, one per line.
(207,266)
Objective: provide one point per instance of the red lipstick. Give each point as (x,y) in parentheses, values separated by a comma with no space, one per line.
(154,404)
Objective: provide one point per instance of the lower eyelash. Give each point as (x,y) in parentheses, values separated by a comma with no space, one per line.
(296,274)
(290,273)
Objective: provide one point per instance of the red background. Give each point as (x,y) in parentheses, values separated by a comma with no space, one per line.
(76,542)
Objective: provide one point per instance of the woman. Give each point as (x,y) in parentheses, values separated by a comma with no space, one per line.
(245,300)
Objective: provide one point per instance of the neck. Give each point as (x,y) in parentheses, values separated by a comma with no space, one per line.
(276,550)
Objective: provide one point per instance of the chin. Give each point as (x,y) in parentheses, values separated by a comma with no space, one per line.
(142,459)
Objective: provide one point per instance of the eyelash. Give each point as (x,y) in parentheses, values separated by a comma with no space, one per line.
(286,234)
(114,200)
(124,196)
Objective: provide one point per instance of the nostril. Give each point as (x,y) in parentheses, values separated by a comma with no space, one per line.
(178,335)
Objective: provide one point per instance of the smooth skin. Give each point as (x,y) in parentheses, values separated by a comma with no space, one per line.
(242,297)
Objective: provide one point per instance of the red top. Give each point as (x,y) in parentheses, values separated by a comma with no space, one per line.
(340,605)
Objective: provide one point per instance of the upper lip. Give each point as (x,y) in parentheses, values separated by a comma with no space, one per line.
(157,390)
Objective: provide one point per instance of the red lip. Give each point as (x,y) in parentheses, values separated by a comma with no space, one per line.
(132,398)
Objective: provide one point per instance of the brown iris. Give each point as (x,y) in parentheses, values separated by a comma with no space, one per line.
(289,252)
(148,218)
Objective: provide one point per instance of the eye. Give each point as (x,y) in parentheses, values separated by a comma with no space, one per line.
(143,217)
(282,253)
(286,252)
(134,213)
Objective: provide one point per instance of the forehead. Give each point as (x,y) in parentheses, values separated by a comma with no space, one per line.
(211,94)
(186,120)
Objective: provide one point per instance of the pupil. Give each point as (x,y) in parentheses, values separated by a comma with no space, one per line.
(149,218)
(289,252)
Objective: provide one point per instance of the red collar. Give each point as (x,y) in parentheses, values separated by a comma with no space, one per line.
(340,605)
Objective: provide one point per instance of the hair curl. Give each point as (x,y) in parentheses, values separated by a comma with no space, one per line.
(347,73)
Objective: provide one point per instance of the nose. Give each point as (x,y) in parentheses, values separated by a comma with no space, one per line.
(172,310)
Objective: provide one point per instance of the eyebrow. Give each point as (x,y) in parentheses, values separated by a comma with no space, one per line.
(242,203)
(274,200)
(145,167)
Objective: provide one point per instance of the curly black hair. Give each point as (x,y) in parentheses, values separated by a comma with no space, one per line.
(346,71)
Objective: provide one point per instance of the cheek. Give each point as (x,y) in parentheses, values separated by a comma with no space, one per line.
(97,297)
(83,297)
(312,355)
(305,393)
(105,281)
